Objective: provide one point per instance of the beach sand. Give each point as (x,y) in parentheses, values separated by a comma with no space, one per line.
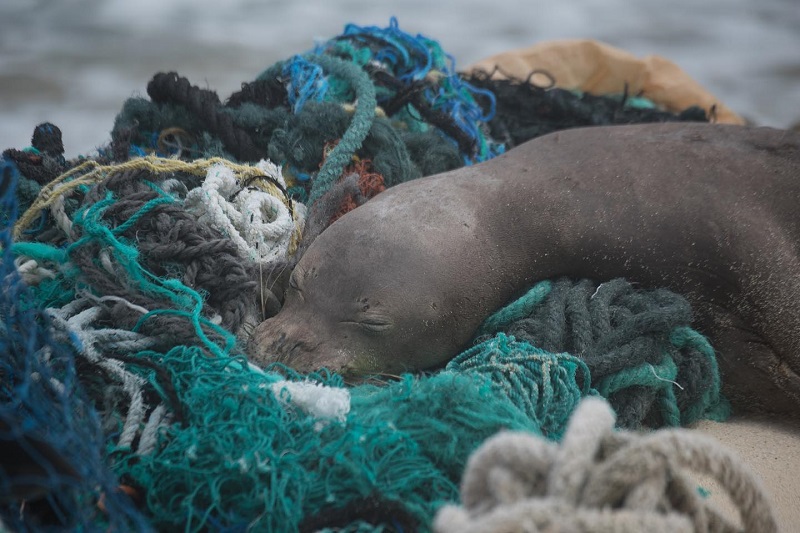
(772,449)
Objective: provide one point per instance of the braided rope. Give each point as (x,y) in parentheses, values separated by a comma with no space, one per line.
(360,124)
(599,480)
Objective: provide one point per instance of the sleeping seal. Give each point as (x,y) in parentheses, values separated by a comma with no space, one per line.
(711,212)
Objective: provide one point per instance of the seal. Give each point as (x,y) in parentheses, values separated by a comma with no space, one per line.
(708,211)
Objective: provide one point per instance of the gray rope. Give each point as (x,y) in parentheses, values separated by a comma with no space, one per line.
(79,319)
(598,480)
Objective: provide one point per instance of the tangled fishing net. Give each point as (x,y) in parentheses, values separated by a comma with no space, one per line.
(381,95)
(132,280)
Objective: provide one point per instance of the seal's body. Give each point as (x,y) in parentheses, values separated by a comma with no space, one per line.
(711,212)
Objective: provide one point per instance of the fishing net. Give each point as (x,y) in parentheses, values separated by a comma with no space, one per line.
(132,281)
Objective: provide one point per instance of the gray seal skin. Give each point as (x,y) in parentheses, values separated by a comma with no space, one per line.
(711,212)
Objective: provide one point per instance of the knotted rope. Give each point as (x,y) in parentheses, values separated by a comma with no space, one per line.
(262,225)
(599,480)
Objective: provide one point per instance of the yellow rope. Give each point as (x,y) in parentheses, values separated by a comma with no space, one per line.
(92,172)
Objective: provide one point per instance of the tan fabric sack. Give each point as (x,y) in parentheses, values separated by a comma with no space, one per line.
(599,68)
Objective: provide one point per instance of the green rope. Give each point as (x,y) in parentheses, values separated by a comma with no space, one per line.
(659,377)
(637,345)
(547,387)
(516,310)
(712,404)
(39,251)
(360,125)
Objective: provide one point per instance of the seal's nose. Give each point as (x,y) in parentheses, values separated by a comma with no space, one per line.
(268,342)
(278,340)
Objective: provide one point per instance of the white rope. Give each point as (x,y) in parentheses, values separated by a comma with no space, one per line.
(111,298)
(599,480)
(77,319)
(31,272)
(158,418)
(60,216)
(258,223)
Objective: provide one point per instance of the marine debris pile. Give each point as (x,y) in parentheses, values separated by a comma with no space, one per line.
(132,279)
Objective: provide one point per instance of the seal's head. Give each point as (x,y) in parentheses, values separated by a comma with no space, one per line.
(340,313)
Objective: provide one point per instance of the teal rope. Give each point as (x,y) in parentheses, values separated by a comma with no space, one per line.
(122,228)
(659,377)
(39,251)
(164,198)
(360,125)
(545,386)
(645,375)
(127,256)
(712,404)
(516,310)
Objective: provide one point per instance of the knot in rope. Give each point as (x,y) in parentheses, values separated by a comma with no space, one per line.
(597,480)
(257,221)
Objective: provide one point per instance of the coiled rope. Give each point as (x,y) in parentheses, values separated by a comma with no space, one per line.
(599,480)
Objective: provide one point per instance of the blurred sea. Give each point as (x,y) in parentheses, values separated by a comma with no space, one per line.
(74,62)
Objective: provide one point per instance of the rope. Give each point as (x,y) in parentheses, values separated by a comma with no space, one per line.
(92,172)
(79,320)
(599,480)
(52,470)
(360,125)
(261,224)
(638,346)
(545,386)
(517,310)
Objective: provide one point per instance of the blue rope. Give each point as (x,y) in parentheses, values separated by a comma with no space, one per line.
(306,82)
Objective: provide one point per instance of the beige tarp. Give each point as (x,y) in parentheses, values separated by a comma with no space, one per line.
(598,68)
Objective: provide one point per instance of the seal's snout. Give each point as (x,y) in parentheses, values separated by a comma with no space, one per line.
(278,341)
(268,343)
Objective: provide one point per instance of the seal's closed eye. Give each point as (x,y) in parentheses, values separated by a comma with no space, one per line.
(374,324)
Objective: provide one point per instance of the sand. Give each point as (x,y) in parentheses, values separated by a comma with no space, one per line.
(772,449)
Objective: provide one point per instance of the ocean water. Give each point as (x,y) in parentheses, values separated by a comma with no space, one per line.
(74,62)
